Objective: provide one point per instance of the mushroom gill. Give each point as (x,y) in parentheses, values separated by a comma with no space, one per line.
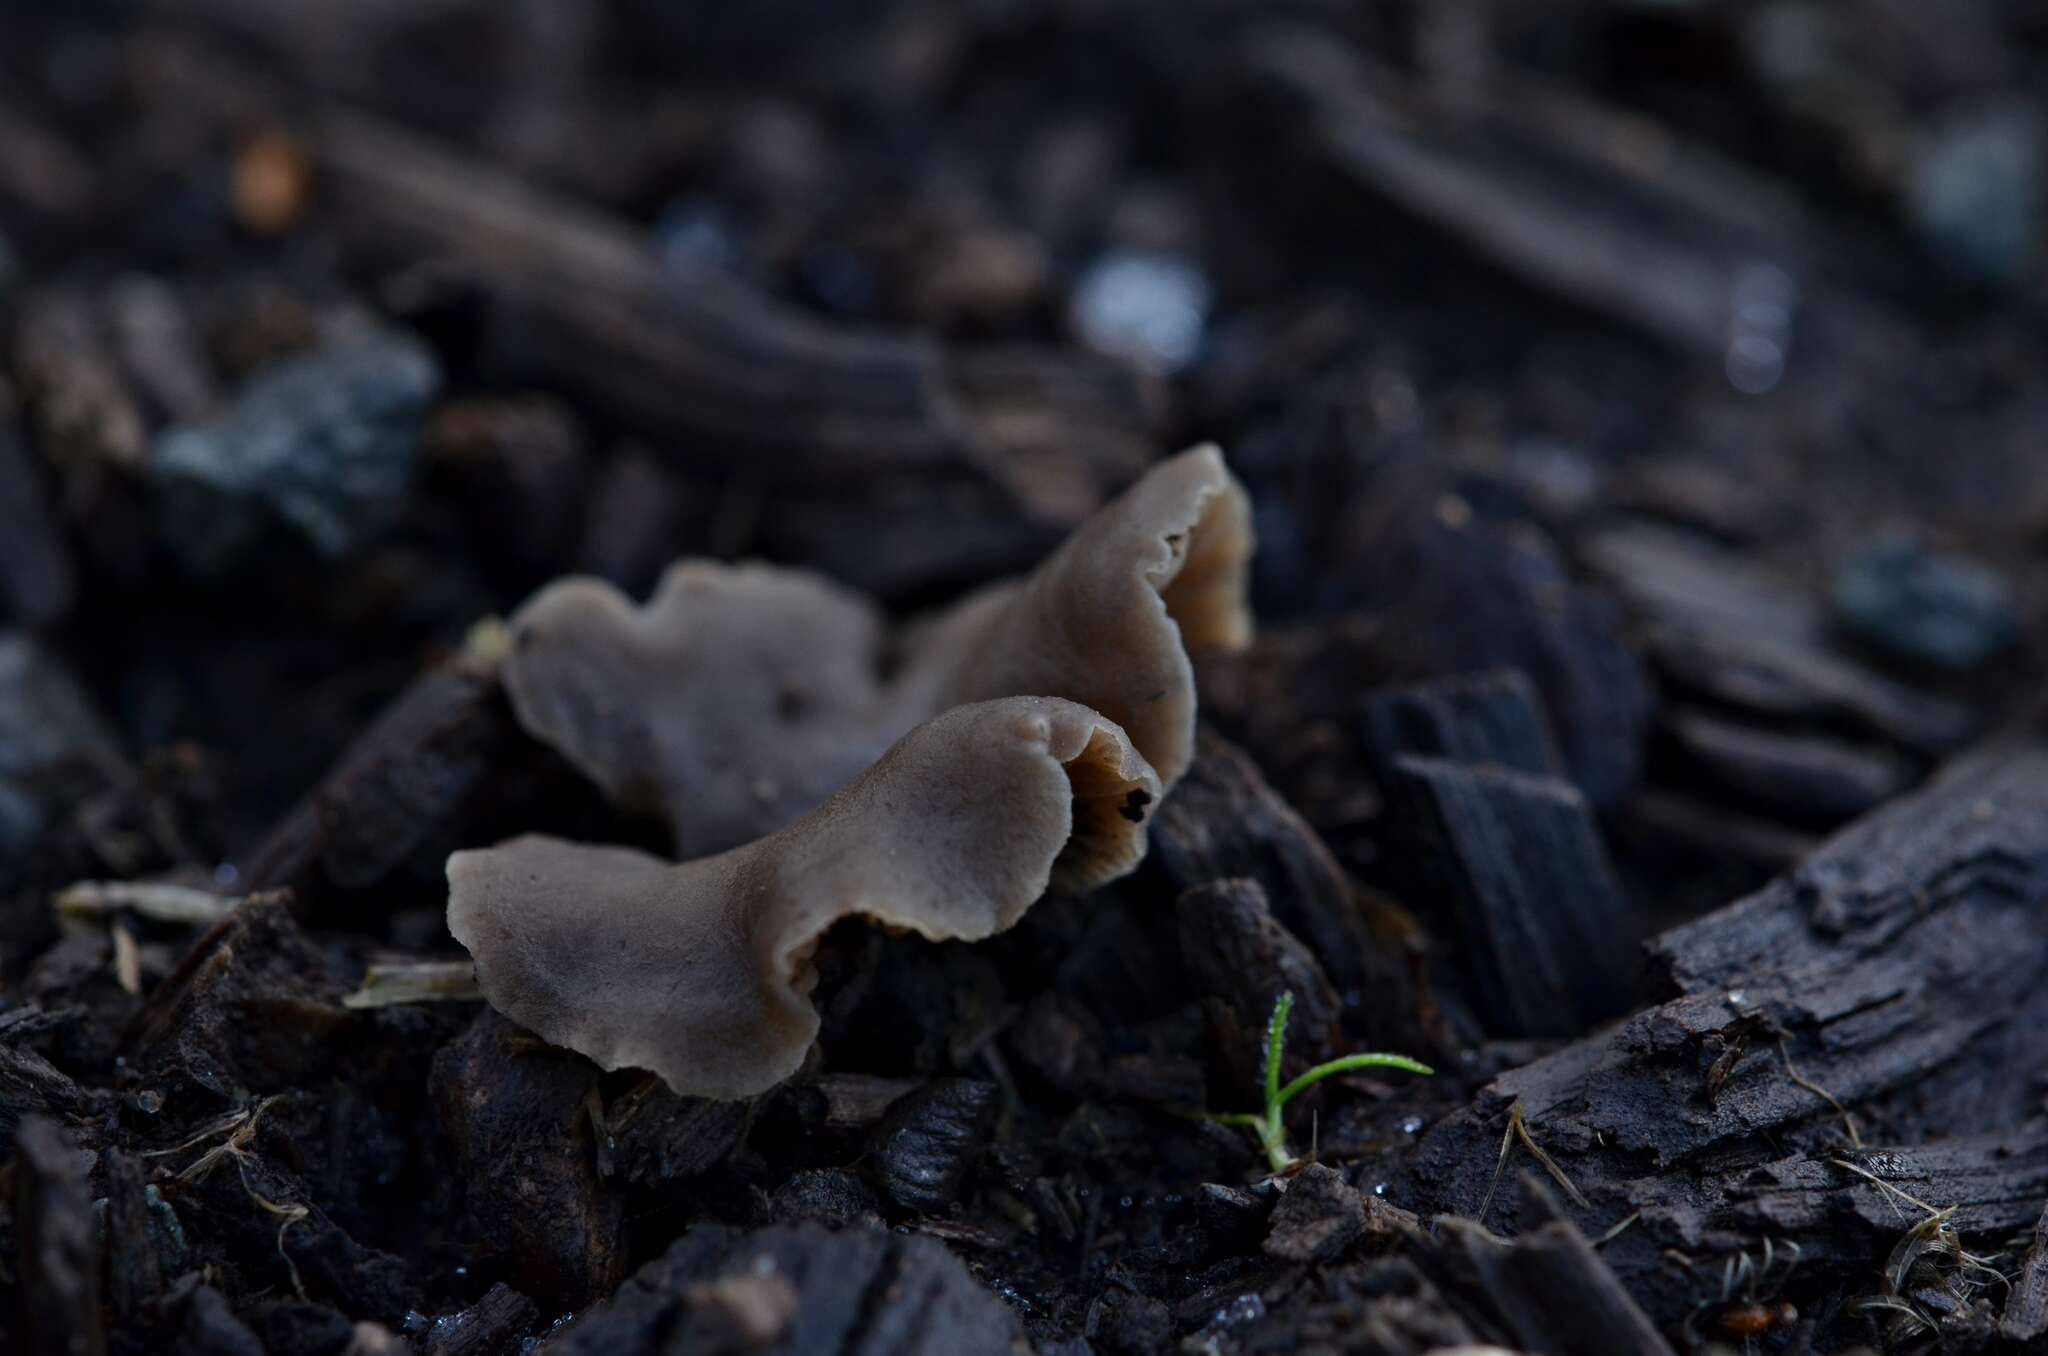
(700,971)
(742,695)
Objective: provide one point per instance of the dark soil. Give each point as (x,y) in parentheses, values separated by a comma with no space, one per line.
(1644,409)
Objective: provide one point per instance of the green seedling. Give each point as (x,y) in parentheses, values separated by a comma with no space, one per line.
(1266,1127)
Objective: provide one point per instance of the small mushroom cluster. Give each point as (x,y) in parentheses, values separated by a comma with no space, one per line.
(814,763)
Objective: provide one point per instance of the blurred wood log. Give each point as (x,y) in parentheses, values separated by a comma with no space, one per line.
(716,372)
(1517,863)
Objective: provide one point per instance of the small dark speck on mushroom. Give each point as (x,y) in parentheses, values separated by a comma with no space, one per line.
(1134,804)
(790,703)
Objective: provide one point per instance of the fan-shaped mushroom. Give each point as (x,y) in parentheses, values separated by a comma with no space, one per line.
(1017,740)
(701,971)
(742,695)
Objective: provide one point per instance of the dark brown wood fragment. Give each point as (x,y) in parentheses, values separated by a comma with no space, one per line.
(493,1324)
(2026,1309)
(251,1006)
(1532,899)
(1806,776)
(1725,629)
(134,1271)
(1551,1290)
(56,1257)
(396,785)
(1895,975)
(1717,833)
(859,1290)
(519,1115)
(1674,280)
(31,1085)
(1320,1215)
(1162,1078)
(1242,960)
(706,364)
(252,1207)
(1494,717)
(1223,821)
(658,1137)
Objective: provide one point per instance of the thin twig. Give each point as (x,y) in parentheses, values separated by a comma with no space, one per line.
(158,901)
(1617,1230)
(1521,1128)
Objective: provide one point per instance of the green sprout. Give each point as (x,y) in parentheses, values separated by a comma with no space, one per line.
(1267,1127)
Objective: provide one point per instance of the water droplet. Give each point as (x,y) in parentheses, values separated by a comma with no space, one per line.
(1379,1188)
(227,873)
(1411,1125)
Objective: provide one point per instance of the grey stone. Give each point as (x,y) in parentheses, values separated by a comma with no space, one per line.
(321,442)
(1925,606)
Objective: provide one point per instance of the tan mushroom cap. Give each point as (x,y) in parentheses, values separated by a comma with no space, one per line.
(742,695)
(701,971)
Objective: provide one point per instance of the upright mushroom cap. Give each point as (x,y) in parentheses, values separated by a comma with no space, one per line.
(700,971)
(731,703)
(741,696)
(1108,619)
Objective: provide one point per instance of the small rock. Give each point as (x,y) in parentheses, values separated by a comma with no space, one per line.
(1973,188)
(919,1153)
(1144,307)
(1923,605)
(322,442)
(1319,1217)
(836,1196)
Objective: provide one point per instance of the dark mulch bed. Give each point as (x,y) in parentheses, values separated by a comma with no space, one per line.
(1643,408)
